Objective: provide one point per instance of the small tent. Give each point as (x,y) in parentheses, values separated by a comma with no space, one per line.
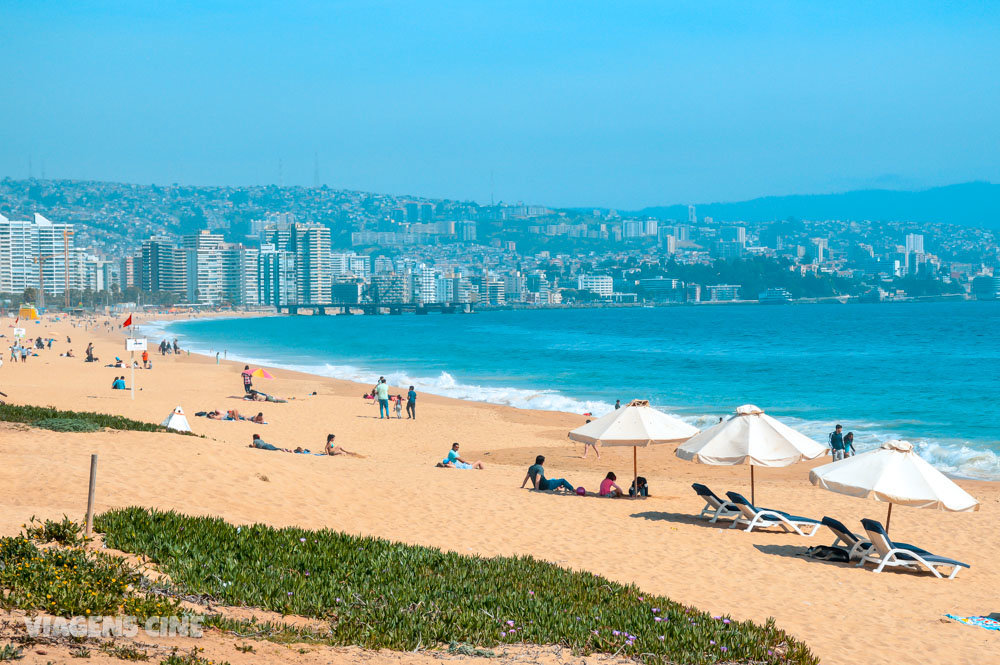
(176,421)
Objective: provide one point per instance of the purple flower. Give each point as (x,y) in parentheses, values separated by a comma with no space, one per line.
(615,633)
(724,649)
(289,593)
(594,632)
(658,619)
(338,600)
(662,638)
(712,642)
(531,593)
(726,621)
(302,540)
(510,623)
(656,610)
(307,573)
(640,599)
(716,618)
(503,634)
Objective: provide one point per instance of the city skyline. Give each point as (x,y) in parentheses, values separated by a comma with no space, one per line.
(645,105)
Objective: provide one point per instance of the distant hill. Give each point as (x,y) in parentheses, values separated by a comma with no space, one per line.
(969,204)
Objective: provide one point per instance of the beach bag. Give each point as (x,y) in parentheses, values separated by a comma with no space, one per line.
(827,553)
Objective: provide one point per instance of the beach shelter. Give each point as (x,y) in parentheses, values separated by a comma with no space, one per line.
(894,473)
(638,425)
(27,313)
(177,421)
(752,437)
(261,373)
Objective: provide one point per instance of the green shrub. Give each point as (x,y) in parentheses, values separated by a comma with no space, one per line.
(65,532)
(67,425)
(379,594)
(72,583)
(26,413)
(11,652)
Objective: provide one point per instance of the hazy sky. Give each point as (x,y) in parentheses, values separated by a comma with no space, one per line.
(620,104)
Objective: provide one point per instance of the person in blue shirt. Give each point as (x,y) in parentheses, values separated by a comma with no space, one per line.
(411,404)
(453,461)
(118,383)
(536,474)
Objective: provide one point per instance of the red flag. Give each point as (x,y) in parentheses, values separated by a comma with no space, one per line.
(128,322)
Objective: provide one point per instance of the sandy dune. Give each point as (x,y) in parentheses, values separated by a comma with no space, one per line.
(847,615)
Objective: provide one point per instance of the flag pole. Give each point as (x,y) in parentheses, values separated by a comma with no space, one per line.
(131,332)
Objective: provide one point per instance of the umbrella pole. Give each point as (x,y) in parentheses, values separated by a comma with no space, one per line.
(888,517)
(635,471)
(753,498)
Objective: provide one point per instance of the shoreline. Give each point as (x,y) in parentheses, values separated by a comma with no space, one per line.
(397,494)
(941,452)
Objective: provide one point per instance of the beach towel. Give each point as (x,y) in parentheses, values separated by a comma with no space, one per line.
(982,622)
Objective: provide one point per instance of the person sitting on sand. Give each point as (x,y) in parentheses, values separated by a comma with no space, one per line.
(259,418)
(609,487)
(536,474)
(118,383)
(233,414)
(263,445)
(68,354)
(453,461)
(332,449)
(643,487)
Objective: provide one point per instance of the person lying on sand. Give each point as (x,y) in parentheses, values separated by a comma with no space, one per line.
(536,474)
(233,414)
(453,461)
(214,415)
(257,396)
(259,418)
(263,445)
(332,449)
(609,488)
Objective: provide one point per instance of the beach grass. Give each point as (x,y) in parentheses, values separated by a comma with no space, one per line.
(73,421)
(379,594)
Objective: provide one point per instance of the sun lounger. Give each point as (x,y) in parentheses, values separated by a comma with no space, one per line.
(884,552)
(714,506)
(767,517)
(858,545)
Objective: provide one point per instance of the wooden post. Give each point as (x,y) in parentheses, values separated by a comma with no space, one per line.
(90,497)
(635,470)
(753,498)
(888,517)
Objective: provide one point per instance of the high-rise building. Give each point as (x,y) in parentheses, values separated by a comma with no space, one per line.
(425,284)
(914,243)
(205,280)
(312,253)
(240,268)
(276,277)
(466,231)
(692,216)
(733,234)
(32,252)
(163,267)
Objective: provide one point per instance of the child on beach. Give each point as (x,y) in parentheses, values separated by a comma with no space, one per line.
(643,487)
(609,488)
(399,406)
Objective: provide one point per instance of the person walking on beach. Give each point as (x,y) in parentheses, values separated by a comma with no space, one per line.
(849,445)
(398,406)
(247,379)
(382,395)
(837,443)
(411,404)
(618,404)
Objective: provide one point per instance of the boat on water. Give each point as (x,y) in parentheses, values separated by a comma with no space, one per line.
(774,297)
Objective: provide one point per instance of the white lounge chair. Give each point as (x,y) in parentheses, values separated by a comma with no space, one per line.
(886,553)
(714,506)
(766,517)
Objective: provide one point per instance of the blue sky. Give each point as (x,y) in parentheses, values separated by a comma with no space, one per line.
(621,104)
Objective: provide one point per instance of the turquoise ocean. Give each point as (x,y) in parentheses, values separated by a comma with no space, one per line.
(925,372)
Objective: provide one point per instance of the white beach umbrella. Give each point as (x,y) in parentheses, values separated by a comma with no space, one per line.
(894,473)
(638,425)
(752,437)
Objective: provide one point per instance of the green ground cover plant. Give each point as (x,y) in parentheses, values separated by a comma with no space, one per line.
(72,421)
(72,582)
(380,594)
